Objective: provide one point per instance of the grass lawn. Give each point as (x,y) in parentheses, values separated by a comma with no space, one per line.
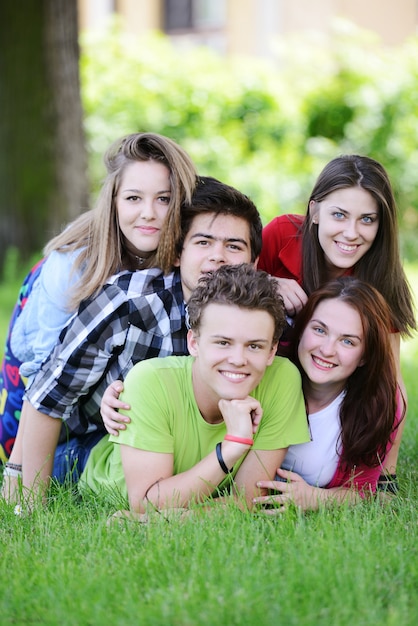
(345,567)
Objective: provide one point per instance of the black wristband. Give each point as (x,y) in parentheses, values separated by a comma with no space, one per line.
(221,459)
(388,482)
(14,466)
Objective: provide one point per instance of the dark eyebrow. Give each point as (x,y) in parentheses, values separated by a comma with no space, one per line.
(225,239)
(335,206)
(315,321)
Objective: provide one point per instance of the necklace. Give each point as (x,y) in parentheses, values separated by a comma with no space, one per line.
(140,260)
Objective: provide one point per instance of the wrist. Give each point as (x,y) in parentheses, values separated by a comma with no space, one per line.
(225,467)
(315,497)
(246,441)
(388,482)
(233,451)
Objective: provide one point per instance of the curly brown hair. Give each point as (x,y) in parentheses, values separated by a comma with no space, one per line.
(238,285)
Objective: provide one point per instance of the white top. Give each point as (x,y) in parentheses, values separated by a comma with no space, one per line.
(317,460)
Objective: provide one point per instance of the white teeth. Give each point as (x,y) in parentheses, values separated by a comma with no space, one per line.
(322,363)
(346,248)
(233,375)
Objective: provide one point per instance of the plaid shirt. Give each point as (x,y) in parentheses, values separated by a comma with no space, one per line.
(136,316)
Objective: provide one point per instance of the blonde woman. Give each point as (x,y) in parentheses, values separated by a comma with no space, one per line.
(134,225)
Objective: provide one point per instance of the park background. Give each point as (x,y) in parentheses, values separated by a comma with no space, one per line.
(262,95)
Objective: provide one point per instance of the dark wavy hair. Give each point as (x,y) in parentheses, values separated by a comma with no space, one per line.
(213,197)
(368,409)
(238,285)
(381,265)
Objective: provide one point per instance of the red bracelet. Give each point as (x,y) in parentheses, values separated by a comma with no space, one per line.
(244,440)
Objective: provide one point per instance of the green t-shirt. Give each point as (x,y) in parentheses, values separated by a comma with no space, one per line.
(165,418)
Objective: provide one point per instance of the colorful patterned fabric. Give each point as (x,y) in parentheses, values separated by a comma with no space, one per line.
(12,386)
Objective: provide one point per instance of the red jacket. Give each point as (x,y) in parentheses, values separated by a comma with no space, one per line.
(281,254)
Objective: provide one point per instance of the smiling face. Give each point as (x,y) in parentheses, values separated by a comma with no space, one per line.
(233,347)
(348,221)
(142,204)
(213,240)
(332,345)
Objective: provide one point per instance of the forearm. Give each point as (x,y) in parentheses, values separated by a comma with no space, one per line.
(259,465)
(318,497)
(178,491)
(391,459)
(295,490)
(39,443)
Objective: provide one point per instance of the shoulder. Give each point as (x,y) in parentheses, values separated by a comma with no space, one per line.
(128,284)
(282,244)
(57,274)
(281,374)
(61,258)
(285,225)
(58,265)
(158,369)
(282,233)
(145,282)
(283,367)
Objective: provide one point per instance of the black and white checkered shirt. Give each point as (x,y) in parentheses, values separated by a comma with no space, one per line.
(136,316)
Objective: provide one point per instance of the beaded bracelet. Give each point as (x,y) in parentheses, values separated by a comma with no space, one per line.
(221,459)
(245,440)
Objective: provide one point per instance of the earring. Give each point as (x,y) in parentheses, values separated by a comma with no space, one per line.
(315,220)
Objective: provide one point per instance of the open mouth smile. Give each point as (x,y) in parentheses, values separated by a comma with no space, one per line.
(235,376)
(345,247)
(326,364)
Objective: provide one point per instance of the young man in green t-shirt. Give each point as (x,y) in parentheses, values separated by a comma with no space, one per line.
(225,414)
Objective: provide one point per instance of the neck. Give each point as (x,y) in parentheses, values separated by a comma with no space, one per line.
(135,261)
(212,418)
(333,272)
(318,397)
(140,260)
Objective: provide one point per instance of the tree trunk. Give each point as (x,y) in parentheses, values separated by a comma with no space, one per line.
(43,181)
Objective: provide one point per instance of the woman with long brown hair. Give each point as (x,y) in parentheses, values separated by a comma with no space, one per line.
(350,228)
(342,349)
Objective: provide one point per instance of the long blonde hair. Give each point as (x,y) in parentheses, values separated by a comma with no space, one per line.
(96,232)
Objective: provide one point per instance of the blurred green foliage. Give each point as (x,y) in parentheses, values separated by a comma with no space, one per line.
(267,128)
